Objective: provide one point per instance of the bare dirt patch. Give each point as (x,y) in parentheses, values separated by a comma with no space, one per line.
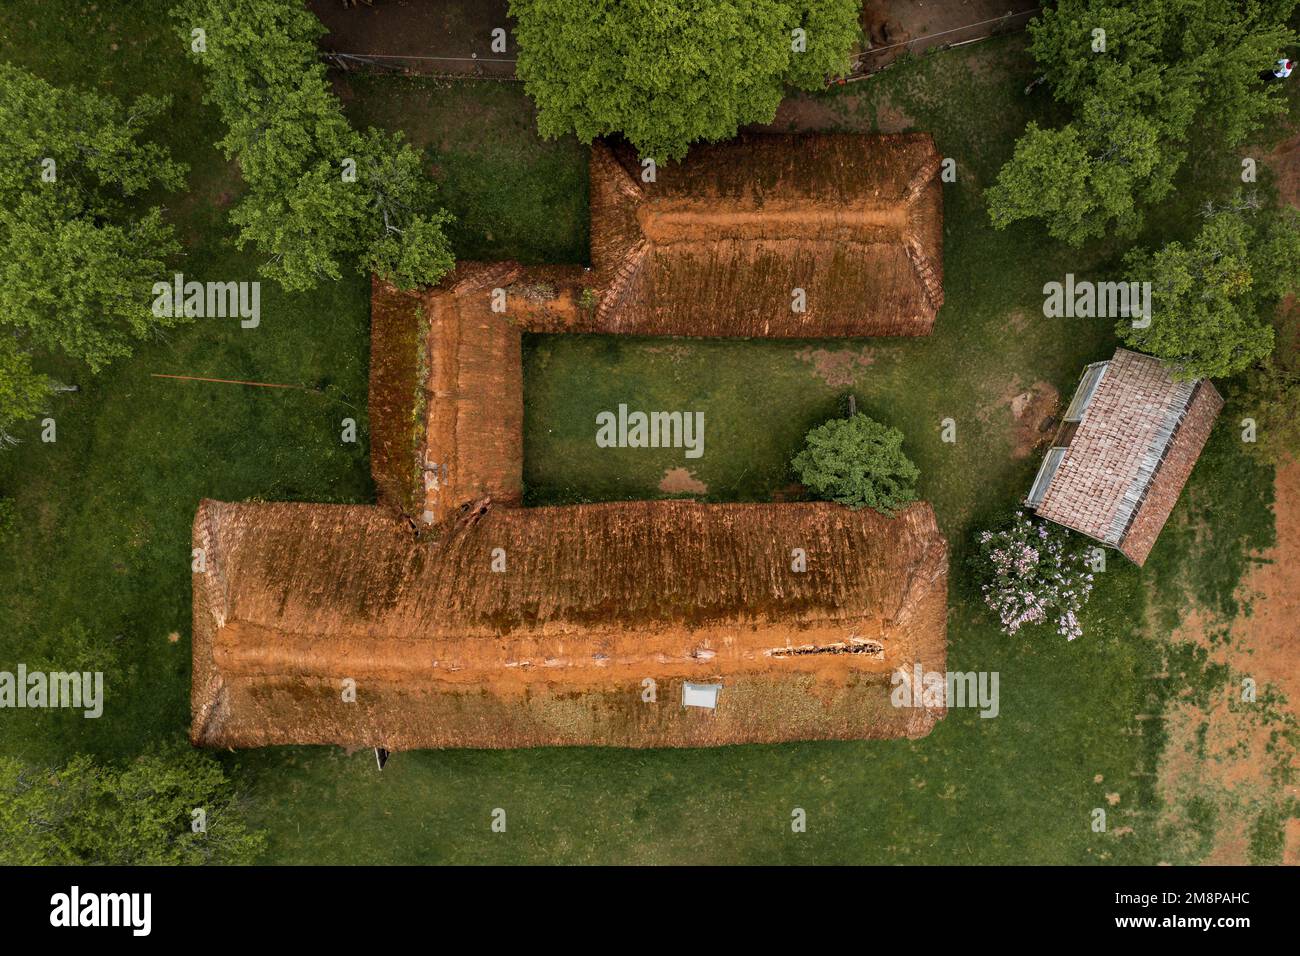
(1267,639)
(1031,412)
(1284,160)
(1291,853)
(454,37)
(682,481)
(791,492)
(842,367)
(1232,753)
(1018,320)
(895,27)
(798,114)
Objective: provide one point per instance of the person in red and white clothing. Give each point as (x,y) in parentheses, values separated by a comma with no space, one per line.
(1281,70)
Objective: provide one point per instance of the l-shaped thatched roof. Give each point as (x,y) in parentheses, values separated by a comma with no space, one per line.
(555,649)
(713,247)
(595,599)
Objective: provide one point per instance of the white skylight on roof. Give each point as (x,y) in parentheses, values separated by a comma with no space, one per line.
(1051,462)
(701,695)
(1092,376)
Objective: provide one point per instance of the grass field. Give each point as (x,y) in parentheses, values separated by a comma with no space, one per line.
(104,513)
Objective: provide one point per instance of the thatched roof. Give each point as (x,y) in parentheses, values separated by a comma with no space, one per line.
(715,246)
(712,248)
(446,381)
(1116,472)
(595,599)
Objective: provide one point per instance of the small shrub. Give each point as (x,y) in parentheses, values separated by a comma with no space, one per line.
(857,462)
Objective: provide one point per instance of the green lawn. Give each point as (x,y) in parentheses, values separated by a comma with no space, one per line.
(104,513)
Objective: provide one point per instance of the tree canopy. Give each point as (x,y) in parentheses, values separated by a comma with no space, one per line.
(77,255)
(1270,393)
(137,814)
(1138,77)
(857,462)
(320,194)
(1211,298)
(668,73)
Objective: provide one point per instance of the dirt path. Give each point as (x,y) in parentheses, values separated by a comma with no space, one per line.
(1225,753)
(1270,634)
(895,28)
(423,36)
(455,36)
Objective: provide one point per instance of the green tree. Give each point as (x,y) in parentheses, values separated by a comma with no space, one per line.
(1138,77)
(320,194)
(1210,299)
(24,392)
(857,462)
(1270,393)
(78,259)
(668,73)
(138,814)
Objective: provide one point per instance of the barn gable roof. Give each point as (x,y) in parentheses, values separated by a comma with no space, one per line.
(1138,434)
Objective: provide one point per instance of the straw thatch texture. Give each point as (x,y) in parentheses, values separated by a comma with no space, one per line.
(397,375)
(594,600)
(715,246)
(455,436)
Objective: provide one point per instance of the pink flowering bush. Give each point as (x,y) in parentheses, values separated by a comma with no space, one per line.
(1033,573)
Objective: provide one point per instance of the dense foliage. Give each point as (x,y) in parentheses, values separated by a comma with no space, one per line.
(1137,76)
(142,813)
(1269,394)
(1211,298)
(668,73)
(319,192)
(77,258)
(858,462)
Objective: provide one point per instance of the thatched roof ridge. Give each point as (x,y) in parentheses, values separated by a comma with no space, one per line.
(595,599)
(715,245)
(447,394)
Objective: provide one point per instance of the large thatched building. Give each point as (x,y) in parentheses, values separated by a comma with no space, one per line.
(1125,448)
(720,244)
(451,617)
(586,633)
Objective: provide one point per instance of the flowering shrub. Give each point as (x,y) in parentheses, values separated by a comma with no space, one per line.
(1032,572)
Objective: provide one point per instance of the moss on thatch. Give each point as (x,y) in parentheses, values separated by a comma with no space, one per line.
(593,601)
(446,648)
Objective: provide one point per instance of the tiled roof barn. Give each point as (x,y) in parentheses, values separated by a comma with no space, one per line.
(1125,448)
